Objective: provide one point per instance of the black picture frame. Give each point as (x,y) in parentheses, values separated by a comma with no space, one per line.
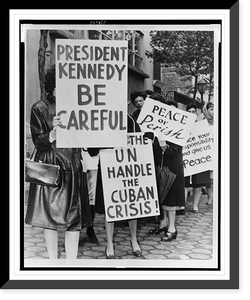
(233,281)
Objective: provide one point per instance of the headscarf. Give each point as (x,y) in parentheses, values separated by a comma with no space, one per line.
(206,113)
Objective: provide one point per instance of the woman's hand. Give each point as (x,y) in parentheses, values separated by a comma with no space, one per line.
(56,122)
(164,145)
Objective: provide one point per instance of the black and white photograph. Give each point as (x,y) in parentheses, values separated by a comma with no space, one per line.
(123,143)
(147,197)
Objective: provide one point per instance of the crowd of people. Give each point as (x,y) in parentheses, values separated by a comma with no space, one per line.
(72,205)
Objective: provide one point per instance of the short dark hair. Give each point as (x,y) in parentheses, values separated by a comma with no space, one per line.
(172,102)
(191,105)
(209,104)
(157,96)
(149,92)
(136,94)
(50,80)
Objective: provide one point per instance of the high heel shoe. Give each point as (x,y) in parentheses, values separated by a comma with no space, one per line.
(169,236)
(158,230)
(137,253)
(110,256)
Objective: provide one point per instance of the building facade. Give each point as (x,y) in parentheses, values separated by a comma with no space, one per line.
(180,88)
(140,67)
(143,72)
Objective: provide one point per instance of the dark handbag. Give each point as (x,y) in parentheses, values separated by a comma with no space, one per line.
(164,178)
(41,173)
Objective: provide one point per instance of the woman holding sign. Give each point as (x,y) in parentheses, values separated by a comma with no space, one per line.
(132,126)
(172,157)
(66,206)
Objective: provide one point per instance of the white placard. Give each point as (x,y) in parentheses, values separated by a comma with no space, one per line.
(167,122)
(198,151)
(129,183)
(91,93)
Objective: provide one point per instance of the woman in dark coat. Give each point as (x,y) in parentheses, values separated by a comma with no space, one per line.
(65,207)
(175,199)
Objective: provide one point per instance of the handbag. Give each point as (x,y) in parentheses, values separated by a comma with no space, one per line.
(164,178)
(41,173)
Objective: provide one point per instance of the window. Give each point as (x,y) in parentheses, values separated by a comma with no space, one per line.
(94,34)
(134,48)
(133,37)
(119,34)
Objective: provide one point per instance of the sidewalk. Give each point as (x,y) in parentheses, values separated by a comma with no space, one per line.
(194,239)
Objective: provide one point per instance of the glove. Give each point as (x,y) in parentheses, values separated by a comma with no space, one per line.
(149,135)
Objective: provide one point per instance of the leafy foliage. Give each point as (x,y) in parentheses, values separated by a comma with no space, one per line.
(190,52)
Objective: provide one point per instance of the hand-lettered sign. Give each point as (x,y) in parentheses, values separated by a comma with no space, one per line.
(198,151)
(167,122)
(129,182)
(91,93)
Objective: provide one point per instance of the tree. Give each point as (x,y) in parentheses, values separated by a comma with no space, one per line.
(43,44)
(189,52)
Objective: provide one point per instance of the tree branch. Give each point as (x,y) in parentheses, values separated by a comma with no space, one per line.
(43,44)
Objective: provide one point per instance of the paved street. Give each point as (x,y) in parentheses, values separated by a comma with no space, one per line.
(194,240)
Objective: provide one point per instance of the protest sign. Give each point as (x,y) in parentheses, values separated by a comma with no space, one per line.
(129,183)
(198,151)
(91,93)
(167,122)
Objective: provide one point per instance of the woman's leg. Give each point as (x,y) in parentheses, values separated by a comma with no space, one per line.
(172,232)
(90,230)
(171,220)
(71,244)
(109,230)
(92,179)
(133,227)
(162,225)
(186,193)
(51,239)
(163,220)
(196,195)
(209,195)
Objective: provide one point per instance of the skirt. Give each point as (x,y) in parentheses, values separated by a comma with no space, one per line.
(198,180)
(65,207)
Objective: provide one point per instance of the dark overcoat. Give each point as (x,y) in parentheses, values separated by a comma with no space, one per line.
(173,159)
(65,207)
